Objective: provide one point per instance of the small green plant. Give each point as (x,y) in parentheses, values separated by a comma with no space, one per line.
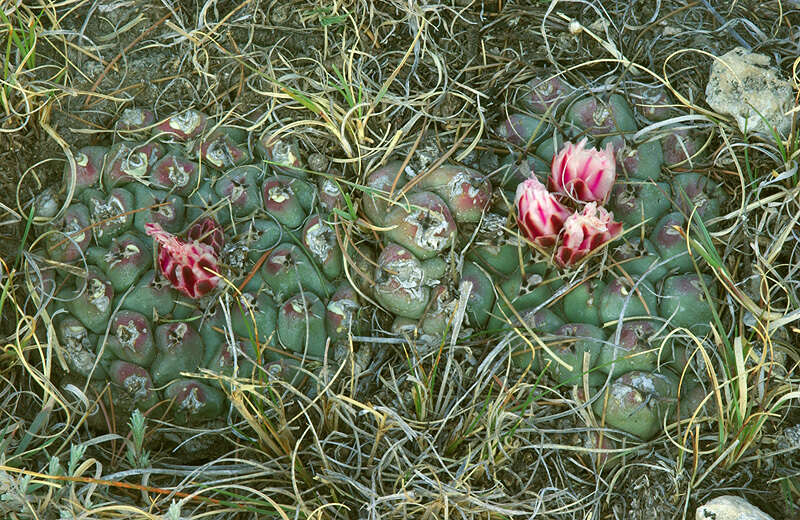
(350,215)
(137,456)
(326,18)
(346,90)
(20,39)
(174,512)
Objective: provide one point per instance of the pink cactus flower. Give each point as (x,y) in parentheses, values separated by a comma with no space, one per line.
(539,212)
(583,174)
(189,267)
(584,232)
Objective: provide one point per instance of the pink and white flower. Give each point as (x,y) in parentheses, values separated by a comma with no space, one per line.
(190,267)
(583,174)
(539,212)
(584,232)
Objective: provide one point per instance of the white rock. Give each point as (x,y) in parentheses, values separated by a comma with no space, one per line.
(742,81)
(729,507)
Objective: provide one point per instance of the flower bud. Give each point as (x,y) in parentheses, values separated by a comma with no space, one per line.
(207,231)
(584,232)
(539,213)
(583,174)
(190,267)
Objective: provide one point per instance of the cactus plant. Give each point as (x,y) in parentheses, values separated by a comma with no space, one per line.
(253,275)
(207,217)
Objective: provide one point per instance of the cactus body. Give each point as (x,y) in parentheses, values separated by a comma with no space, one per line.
(638,402)
(255,272)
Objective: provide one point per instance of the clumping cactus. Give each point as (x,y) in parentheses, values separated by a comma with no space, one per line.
(197,256)
(188,198)
(650,287)
(191,197)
